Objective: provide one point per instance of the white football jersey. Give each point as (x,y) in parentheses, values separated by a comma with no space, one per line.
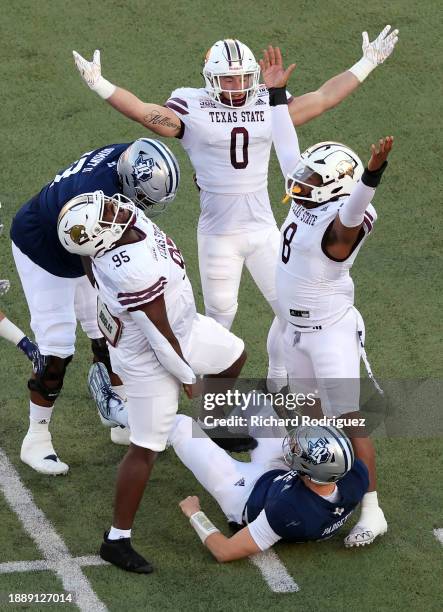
(313,289)
(134,274)
(229,149)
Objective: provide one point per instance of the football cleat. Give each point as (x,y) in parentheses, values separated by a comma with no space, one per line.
(230,442)
(120,435)
(366,530)
(37,452)
(111,407)
(120,553)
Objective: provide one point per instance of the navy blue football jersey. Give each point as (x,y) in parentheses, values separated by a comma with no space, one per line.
(296,513)
(34,228)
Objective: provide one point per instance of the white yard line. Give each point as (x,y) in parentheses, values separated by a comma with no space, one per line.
(439,535)
(38,566)
(52,546)
(274,572)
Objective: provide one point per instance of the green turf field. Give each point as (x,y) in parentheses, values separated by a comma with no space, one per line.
(49,118)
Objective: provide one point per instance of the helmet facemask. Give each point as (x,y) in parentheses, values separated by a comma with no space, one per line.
(249,88)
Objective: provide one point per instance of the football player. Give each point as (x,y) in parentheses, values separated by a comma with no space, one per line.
(300,488)
(157,340)
(331,216)
(11,332)
(225,128)
(58,292)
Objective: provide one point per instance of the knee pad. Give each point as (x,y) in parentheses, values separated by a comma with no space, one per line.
(100,351)
(50,382)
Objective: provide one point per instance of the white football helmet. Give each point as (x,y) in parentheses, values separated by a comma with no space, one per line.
(338,166)
(325,454)
(231,58)
(149,174)
(82,229)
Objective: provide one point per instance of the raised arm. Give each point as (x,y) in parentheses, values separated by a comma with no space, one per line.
(306,107)
(158,119)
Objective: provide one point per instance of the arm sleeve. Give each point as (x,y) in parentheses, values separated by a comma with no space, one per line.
(262,533)
(169,359)
(285,138)
(353,210)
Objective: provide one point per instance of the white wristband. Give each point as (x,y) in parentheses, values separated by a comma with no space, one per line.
(10,332)
(362,69)
(202,525)
(104,88)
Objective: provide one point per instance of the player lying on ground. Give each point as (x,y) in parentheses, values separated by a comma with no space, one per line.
(11,332)
(58,292)
(236,225)
(308,498)
(331,216)
(158,342)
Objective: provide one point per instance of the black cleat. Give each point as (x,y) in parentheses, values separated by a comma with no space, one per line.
(121,554)
(234,443)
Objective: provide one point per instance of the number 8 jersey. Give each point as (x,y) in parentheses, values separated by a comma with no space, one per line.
(314,290)
(229,149)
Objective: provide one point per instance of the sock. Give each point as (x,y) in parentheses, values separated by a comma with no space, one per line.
(120,390)
(118,534)
(369,500)
(277,375)
(39,416)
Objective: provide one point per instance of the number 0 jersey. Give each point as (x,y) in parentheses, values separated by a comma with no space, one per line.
(315,290)
(34,228)
(229,149)
(135,274)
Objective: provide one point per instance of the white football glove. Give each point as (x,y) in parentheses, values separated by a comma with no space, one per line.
(91,73)
(375,52)
(381,48)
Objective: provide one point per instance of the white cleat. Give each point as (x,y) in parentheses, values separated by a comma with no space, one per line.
(120,435)
(37,452)
(365,531)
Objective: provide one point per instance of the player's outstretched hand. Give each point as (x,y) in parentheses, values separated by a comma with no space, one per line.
(273,71)
(381,48)
(90,72)
(380,152)
(190,505)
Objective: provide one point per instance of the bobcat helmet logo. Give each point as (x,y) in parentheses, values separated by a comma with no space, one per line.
(143,166)
(345,168)
(78,234)
(318,451)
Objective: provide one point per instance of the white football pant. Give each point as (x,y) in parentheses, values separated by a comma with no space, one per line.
(221,259)
(230,482)
(326,363)
(55,305)
(152,401)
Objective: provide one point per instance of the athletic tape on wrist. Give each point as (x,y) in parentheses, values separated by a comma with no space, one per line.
(104,88)
(362,69)
(10,332)
(202,525)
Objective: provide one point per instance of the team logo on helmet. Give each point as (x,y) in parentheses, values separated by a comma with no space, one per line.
(78,234)
(143,167)
(319,451)
(345,168)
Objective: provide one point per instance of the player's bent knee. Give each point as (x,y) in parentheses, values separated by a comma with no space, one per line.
(182,428)
(50,383)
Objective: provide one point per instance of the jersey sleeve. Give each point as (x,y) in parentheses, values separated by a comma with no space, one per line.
(139,281)
(370,217)
(262,533)
(356,482)
(179,102)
